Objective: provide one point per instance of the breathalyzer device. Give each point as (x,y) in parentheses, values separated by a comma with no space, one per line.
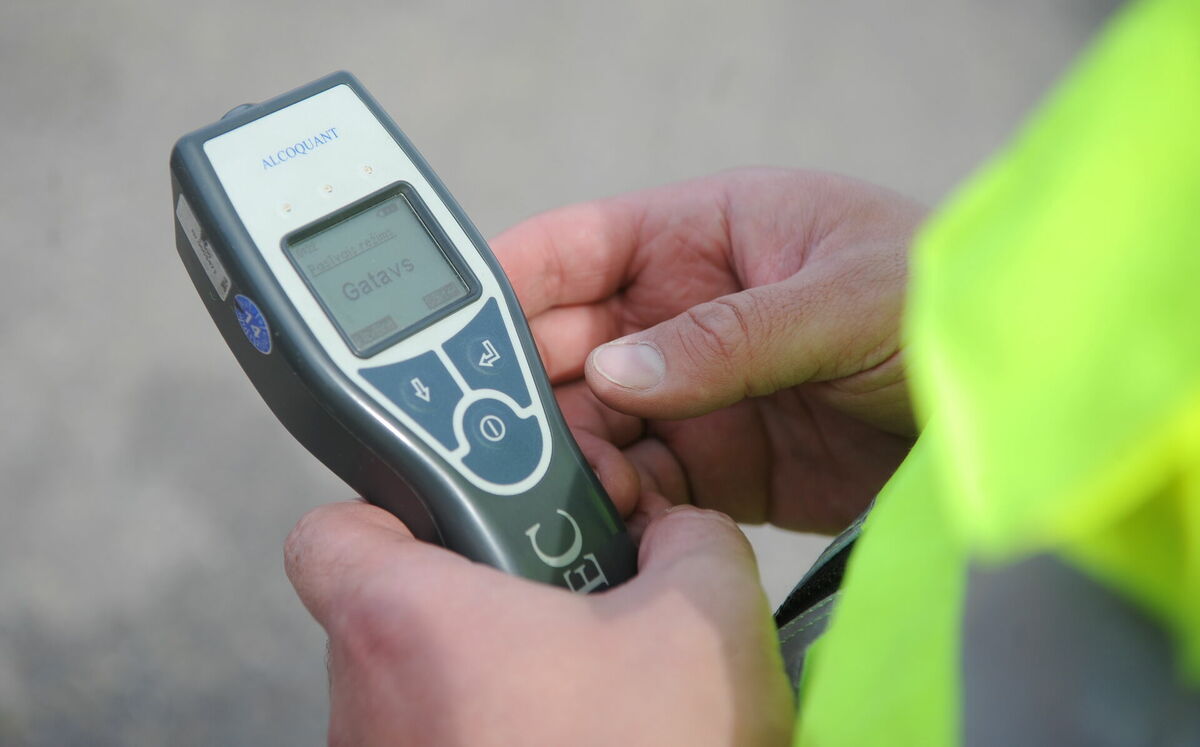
(373,319)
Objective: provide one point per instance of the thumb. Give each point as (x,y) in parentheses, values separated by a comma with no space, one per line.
(702,552)
(714,354)
(710,621)
(336,551)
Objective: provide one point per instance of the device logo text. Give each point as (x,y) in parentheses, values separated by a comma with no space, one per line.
(300,148)
(557,561)
(583,577)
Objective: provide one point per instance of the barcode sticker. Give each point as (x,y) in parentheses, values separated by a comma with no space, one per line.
(204,251)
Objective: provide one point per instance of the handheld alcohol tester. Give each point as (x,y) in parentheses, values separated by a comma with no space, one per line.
(375,322)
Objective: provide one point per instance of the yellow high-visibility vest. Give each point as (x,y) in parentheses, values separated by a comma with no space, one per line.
(1053,343)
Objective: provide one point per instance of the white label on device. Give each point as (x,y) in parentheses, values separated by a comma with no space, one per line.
(204,251)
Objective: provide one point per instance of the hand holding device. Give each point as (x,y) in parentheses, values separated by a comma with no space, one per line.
(426,648)
(750,324)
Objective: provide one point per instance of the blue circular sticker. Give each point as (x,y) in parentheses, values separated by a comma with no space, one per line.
(254,324)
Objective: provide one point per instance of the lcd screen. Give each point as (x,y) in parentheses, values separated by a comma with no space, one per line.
(378,273)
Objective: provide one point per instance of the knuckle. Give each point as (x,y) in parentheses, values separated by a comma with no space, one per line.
(689,513)
(728,526)
(298,539)
(733,333)
(721,330)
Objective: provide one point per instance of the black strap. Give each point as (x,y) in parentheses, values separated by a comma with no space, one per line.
(804,615)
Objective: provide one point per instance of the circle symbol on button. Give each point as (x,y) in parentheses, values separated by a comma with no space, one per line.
(491,428)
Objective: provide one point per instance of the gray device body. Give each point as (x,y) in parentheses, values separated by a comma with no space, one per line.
(361,401)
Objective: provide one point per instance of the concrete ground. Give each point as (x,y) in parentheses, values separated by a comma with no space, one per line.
(145,490)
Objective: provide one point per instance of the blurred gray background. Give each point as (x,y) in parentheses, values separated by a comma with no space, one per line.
(145,490)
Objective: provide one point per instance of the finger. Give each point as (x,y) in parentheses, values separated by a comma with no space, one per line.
(583,412)
(661,484)
(727,457)
(697,576)
(585,253)
(745,344)
(566,335)
(335,547)
(660,476)
(616,472)
(700,551)
(575,254)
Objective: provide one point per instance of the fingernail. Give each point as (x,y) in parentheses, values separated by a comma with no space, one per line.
(632,365)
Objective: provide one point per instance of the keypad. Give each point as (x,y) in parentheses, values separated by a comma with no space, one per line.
(503,448)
